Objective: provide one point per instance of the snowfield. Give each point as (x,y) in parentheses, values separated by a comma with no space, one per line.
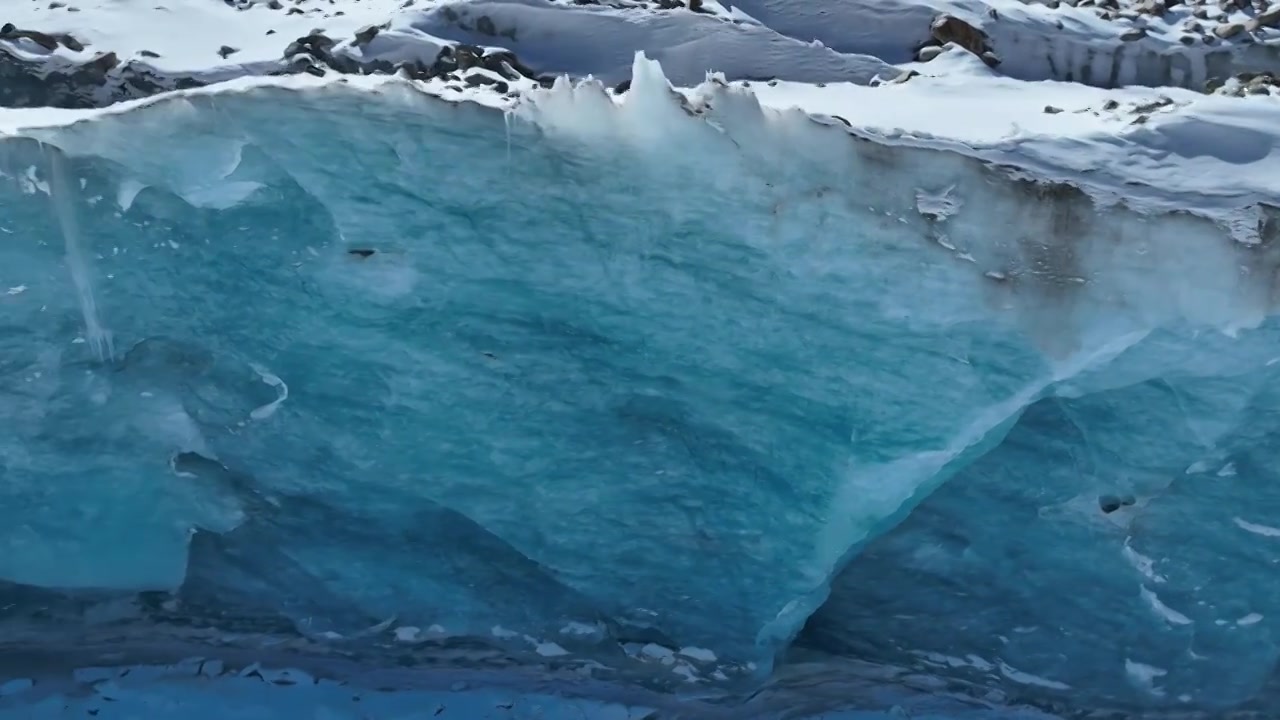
(1048,225)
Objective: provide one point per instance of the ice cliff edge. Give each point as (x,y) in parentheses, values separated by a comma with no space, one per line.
(665,362)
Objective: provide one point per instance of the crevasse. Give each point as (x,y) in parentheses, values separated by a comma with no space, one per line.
(665,365)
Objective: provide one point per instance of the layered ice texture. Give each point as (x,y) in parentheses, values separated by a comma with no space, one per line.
(672,379)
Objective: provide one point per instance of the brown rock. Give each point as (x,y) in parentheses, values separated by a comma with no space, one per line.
(1229,30)
(948,28)
(1269,18)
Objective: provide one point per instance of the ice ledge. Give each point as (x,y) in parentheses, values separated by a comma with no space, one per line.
(1170,151)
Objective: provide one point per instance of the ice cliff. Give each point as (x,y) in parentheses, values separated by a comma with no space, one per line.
(600,376)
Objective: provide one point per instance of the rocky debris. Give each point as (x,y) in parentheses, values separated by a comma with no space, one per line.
(57,81)
(950,29)
(1134,113)
(698,6)
(1207,22)
(1245,84)
(49,42)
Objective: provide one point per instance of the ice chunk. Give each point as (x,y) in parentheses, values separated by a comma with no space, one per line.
(645,358)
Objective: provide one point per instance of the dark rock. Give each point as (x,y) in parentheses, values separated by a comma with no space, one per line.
(366,34)
(149,54)
(9,32)
(103,64)
(1133,34)
(478,79)
(1051,110)
(70,43)
(622,87)
(227,51)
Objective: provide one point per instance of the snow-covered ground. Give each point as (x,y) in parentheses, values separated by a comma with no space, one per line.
(851,61)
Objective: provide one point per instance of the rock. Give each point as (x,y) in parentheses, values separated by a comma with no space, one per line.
(70,43)
(1133,34)
(227,51)
(485,26)
(1187,40)
(902,77)
(1051,110)
(1110,105)
(950,29)
(927,53)
(9,32)
(467,56)
(622,87)
(366,34)
(1229,30)
(102,64)
(148,54)
(1269,18)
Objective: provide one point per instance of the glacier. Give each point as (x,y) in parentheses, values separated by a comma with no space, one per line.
(673,384)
